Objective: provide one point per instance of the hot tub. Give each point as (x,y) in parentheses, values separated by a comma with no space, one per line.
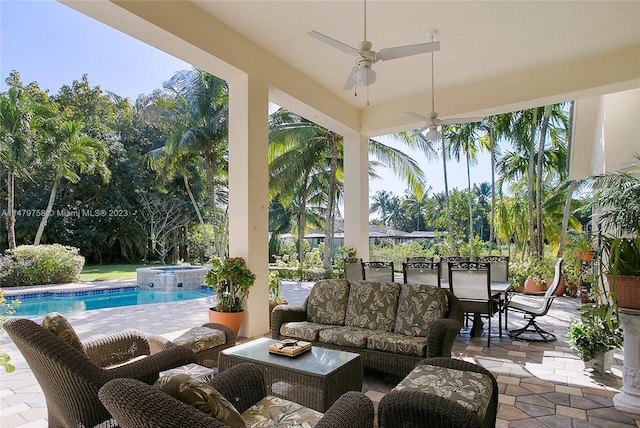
(170,278)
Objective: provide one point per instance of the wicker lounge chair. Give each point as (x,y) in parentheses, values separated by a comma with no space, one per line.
(70,377)
(134,404)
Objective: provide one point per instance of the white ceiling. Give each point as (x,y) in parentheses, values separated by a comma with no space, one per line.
(480,40)
(495,56)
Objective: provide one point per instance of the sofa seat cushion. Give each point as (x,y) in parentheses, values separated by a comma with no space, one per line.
(398,344)
(272,412)
(469,389)
(353,337)
(418,306)
(327,301)
(304,330)
(372,305)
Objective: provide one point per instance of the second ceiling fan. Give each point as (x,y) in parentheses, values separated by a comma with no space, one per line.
(362,74)
(433,122)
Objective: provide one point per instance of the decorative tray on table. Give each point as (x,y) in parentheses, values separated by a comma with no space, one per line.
(289,347)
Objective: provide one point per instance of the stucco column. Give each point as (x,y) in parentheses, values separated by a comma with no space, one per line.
(628,400)
(356,194)
(248,197)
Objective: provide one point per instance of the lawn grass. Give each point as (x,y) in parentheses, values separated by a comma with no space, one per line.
(109,272)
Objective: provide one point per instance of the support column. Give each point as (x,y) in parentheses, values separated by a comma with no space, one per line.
(628,400)
(356,194)
(248,193)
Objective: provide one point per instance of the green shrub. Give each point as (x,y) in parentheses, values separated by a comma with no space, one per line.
(40,264)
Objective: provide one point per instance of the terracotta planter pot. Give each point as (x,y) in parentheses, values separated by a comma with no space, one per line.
(233,320)
(628,288)
(533,287)
(585,256)
(562,287)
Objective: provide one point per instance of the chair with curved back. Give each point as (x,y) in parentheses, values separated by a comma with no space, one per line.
(71,373)
(353,269)
(418,272)
(532,331)
(378,271)
(471,283)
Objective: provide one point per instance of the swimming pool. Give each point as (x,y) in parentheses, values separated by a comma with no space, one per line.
(40,304)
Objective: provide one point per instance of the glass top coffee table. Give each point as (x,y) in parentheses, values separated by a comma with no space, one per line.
(315,379)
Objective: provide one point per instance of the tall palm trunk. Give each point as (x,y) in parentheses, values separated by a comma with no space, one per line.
(454,245)
(47,211)
(302,219)
(211,193)
(493,188)
(572,184)
(197,210)
(470,200)
(11,216)
(539,177)
(328,226)
(530,175)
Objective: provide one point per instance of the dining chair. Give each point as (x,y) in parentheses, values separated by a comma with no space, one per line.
(533,308)
(378,271)
(499,267)
(353,269)
(499,272)
(471,283)
(421,273)
(420,259)
(444,262)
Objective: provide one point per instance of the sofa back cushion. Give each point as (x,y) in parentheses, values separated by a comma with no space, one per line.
(372,305)
(327,302)
(418,306)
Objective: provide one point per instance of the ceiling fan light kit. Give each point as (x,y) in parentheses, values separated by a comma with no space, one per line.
(362,74)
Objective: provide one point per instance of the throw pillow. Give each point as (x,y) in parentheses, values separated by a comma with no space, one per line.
(202,396)
(58,325)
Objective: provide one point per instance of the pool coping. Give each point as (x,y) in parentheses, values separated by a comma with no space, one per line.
(72,287)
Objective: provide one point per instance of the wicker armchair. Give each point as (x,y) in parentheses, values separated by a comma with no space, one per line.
(415,409)
(70,378)
(134,404)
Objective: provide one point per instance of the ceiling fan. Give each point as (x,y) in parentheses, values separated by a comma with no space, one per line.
(432,122)
(362,74)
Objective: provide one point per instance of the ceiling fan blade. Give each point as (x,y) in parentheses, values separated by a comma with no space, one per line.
(455,121)
(402,51)
(419,131)
(351,79)
(333,42)
(419,117)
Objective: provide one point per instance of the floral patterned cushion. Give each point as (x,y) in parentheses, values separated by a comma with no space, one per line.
(58,325)
(354,337)
(303,330)
(327,302)
(418,306)
(201,338)
(202,396)
(398,344)
(469,389)
(274,412)
(372,305)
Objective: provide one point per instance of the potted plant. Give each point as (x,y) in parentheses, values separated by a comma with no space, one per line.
(231,280)
(539,272)
(618,197)
(275,298)
(596,335)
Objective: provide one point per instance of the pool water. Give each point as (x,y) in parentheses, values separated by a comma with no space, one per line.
(40,304)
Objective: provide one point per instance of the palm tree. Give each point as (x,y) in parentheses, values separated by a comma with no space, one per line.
(15,139)
(381,202)
(70,154)
(198,109)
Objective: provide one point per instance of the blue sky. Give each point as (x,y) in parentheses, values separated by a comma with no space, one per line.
(52,44)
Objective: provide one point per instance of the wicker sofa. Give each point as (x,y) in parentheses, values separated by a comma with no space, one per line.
(392,326)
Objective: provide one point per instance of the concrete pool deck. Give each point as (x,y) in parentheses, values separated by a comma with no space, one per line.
(539,384)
